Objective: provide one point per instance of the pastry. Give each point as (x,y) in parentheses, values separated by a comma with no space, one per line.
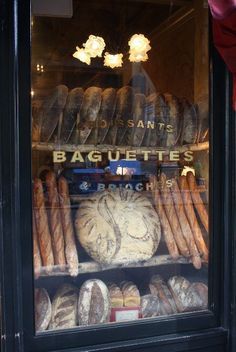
(116,296)
(120,226)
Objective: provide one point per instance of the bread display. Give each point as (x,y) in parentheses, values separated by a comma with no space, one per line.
(70,114)
(64,308)
(42,227)
(42,309)
(150,306)
(130,293)
(118,227)
(51,111)
(94,304)
(116,296)
(58,243)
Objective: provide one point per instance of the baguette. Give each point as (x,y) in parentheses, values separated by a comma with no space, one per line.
(68,230)
(173,219)
(197,200)
(187,200)
(37,257)
(55,220)
(165,225)
(41,221)
(184,224)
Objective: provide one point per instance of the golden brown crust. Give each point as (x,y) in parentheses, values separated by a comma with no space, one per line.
(37,256)
(197,200)
(188,204)
(42,227)
(55,220)
(116,296)
(165,225)
(131,294)
(184,224)
(173,218)
(68,230)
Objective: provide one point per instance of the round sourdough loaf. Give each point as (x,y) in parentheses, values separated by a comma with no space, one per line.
(94,306)
(117,227)
(43,309)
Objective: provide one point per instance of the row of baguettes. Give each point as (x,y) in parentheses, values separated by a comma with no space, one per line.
(53,232)
(117,117)
(92,303)
(176,207)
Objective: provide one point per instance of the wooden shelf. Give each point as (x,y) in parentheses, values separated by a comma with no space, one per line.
(104,148)
(94,267)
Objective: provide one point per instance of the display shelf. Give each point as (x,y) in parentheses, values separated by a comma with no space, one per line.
(93,267)
(104,148)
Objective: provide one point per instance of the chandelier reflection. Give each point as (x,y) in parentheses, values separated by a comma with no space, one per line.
(113,60)
(82,55)
(94,46)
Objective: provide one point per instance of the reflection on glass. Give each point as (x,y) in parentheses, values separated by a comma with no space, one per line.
(119,163)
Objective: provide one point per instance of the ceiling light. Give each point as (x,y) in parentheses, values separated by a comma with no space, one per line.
(94,46)
(82,55)
(113,60)
(139,46)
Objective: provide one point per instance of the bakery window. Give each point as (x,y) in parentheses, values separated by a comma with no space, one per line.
(120,161)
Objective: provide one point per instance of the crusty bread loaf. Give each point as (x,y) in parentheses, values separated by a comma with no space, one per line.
(118,227)
(42,309)
(135,134)
(68,230)
(89,112)
(41,221)
(64,308)
(179,286)
(37,256)
(51,111)
(116,296)
(94,304)
(173,119)
(190,123)
(201,291)
(55,220)
(150,306)
(159,288)
(131,294)
(106,113)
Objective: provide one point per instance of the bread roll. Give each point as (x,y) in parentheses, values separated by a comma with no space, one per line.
(131,294)
(55,220)
(41,221)
(42,309)
(116,296)
(94,304)
(150,306)
(51,110)
(118,227)
(179,286)
(64,308)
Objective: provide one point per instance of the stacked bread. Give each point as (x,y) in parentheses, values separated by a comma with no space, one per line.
(179,208)
(92,303)
(53,232)
(117,117)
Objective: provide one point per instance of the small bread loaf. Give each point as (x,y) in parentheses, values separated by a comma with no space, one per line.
(190,123)
(159,288)
(173,119)
(201,290)
(106,113)
(64,308)
(150,306)
(37,256)
(94,304)
(42,308)
(116,296)
(55,220)
(118,227)
(41,220)
(131,294)
(68,230)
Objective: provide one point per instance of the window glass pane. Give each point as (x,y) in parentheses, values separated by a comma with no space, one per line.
(120,160)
